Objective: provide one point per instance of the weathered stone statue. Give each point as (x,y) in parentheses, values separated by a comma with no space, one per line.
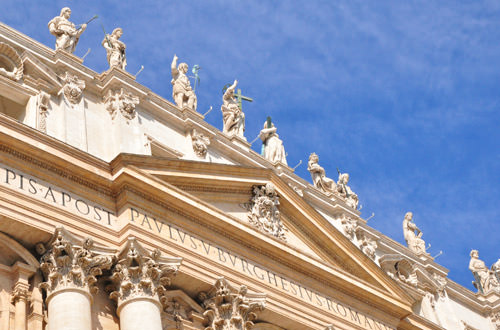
(274,151)
(115,49)
(66,33)
(232,116)
(485,279)
(319,178)
(413,240)
(345,191)
(182,92)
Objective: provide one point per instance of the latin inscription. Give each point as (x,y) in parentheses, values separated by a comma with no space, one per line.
(250,268)
(50,194)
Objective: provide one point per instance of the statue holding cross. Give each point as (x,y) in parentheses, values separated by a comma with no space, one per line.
(232,114)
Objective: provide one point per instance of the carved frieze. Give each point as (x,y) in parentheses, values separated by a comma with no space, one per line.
(120,101)
(200,143)
(139,273)
(264,213)
(73,88)
(11,65)
(349,225)
(67,264)
(43,109)
(230,309)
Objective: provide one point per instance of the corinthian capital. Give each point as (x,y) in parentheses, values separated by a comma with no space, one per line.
(229,308)
(68,264)
(141,274)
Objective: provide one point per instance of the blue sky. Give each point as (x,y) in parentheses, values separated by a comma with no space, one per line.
(403,95)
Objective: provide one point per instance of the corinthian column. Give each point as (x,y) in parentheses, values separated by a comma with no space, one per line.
(140,278)
(70,269)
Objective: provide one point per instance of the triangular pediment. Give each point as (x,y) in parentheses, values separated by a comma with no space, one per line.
(229,190)
(40,76)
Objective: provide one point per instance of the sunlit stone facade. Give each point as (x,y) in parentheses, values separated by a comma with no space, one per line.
(121,210)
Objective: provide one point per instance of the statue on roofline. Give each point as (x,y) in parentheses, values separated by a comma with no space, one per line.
(67,35)
(115,49)
(320,181)
(182,92)
(232,116)
(345,191)
(273,149)
(414,241)
(485,279)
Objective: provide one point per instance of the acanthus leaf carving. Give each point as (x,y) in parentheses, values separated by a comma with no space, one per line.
(67,264)
(139,273)
(264,213)
(120,101)
(230,309)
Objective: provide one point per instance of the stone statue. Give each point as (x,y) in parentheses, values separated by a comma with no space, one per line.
(182,92)
(274,151)
(115,49)
(485,279)
(232,116)
(414,241)
(319,178)
(66,33)
(345,191)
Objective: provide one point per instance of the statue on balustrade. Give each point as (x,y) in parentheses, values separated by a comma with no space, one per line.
(413,235)
(115,49)
(273,149)
(319,178)
(485,279)
(345,191)
(232,116)
(67,35)
(182,92)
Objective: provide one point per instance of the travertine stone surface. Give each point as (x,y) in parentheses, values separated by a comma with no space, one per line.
(67,35)
(121,102)
(413,235)
(274,151)
(232,116)
(182,92)
(115,49)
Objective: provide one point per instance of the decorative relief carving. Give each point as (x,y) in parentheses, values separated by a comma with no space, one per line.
(11,65)
(121,101)
(264,213)
(350,226)
(43,109)
(73,88)
(66,264)
(200,143)
(20,292)
(139,273)
(228,309)
(368,245)
(495,319)
(401,270)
